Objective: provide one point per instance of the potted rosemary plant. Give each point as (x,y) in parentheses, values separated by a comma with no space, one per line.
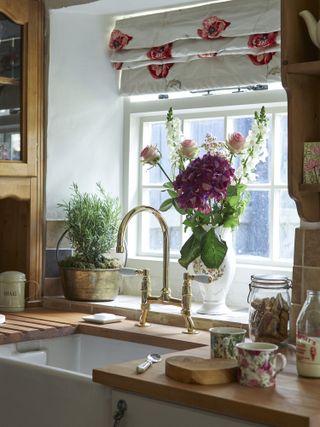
(91,224)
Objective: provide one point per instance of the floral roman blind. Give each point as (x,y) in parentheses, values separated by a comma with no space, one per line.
(233,43)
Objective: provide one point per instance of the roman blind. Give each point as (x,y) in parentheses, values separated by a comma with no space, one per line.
(217,45)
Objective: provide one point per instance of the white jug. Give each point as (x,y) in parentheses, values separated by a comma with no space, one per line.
(313,26)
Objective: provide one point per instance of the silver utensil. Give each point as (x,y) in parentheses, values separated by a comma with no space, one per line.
(151,358)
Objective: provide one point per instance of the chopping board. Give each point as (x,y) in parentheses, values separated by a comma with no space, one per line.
(197,370)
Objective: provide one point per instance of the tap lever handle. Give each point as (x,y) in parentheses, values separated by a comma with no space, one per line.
(127,271)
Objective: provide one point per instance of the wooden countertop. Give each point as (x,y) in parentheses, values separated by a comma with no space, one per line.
(295,401)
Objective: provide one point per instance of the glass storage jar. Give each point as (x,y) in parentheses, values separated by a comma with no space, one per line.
(269,311)
(308,336)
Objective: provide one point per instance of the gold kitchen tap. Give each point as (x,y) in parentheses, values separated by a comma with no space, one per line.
(165,293)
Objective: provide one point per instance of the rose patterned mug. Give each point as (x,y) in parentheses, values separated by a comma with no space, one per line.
(259,363)
(223,341)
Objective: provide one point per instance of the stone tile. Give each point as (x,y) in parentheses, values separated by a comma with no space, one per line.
(51,265)
(311,256)
(310,280)
(298,244)
(295,310)
(54,231)
(296,284)
(52,286)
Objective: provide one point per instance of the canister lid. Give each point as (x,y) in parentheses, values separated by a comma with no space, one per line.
(12,276)
(270,280)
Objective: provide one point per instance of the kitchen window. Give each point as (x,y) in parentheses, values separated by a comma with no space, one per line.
(265,237)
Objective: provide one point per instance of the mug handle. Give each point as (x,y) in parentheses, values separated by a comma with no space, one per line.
(281,362)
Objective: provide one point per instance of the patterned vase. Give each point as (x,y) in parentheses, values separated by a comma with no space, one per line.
(214,294)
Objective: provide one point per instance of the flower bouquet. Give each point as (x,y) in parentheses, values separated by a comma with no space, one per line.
(207,184)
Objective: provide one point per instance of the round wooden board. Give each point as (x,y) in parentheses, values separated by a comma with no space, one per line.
(196,370)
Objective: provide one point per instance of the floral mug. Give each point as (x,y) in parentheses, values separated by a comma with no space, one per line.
(223,341)
(259,363)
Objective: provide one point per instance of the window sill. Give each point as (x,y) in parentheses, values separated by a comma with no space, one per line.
(129,306)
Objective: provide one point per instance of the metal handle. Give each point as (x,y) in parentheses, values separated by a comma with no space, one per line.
(202,278)
(127,271)
(119,414)
(143,366)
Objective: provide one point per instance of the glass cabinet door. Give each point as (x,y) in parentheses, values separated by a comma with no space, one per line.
(10,89)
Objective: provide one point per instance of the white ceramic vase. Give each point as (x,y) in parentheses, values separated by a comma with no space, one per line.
(214,294)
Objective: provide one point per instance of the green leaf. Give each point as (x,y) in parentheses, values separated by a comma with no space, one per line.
(213,250)
(199,233)
(189,251)
(177,207)
(166,205)
(172,193)
(167,185)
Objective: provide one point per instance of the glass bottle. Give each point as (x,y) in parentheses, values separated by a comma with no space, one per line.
(308,336)
(269,310)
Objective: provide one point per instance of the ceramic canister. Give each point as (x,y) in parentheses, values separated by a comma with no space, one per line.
(12,287)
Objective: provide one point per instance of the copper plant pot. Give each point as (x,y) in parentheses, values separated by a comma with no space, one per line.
(90,285)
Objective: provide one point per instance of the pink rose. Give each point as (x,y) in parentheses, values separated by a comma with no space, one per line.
(236,142)
(189,148)
(150,155)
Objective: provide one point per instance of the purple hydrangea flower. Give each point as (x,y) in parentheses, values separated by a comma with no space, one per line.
(206,178)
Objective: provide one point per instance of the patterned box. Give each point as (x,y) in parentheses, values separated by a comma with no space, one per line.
(311,163)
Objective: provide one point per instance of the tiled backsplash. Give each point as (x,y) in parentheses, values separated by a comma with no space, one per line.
(306,268)
(52,284)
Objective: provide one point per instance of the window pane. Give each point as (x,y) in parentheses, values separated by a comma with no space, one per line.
(198,129)
(151,231)
(289,220)
(281,141)
(243,125)
(252,237)
(156,134)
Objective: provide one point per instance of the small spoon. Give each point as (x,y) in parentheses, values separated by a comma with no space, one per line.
(151,358)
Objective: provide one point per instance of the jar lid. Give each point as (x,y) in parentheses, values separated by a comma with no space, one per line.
(270,280)
(12,276)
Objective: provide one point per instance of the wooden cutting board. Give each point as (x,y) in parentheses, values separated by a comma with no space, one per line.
(196,370)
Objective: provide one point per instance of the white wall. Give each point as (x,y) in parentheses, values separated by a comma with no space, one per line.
(85,112)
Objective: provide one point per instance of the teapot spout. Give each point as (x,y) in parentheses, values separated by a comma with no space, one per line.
(312,26)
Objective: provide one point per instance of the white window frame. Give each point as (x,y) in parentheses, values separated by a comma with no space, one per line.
(134,115)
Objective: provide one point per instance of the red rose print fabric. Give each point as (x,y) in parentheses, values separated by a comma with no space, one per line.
(262,59)
(263,41)
(118,40)
(207,55)
(159,71)
(160,52)
(212,28)
(117,65)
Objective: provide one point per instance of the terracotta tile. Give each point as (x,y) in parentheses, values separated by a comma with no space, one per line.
(298,244)
(311,256)
(296,284)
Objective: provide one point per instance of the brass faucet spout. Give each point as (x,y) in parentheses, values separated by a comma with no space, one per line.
(165,233)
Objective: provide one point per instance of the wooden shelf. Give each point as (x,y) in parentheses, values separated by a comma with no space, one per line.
(9,81)
(310,188)
(311,68)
